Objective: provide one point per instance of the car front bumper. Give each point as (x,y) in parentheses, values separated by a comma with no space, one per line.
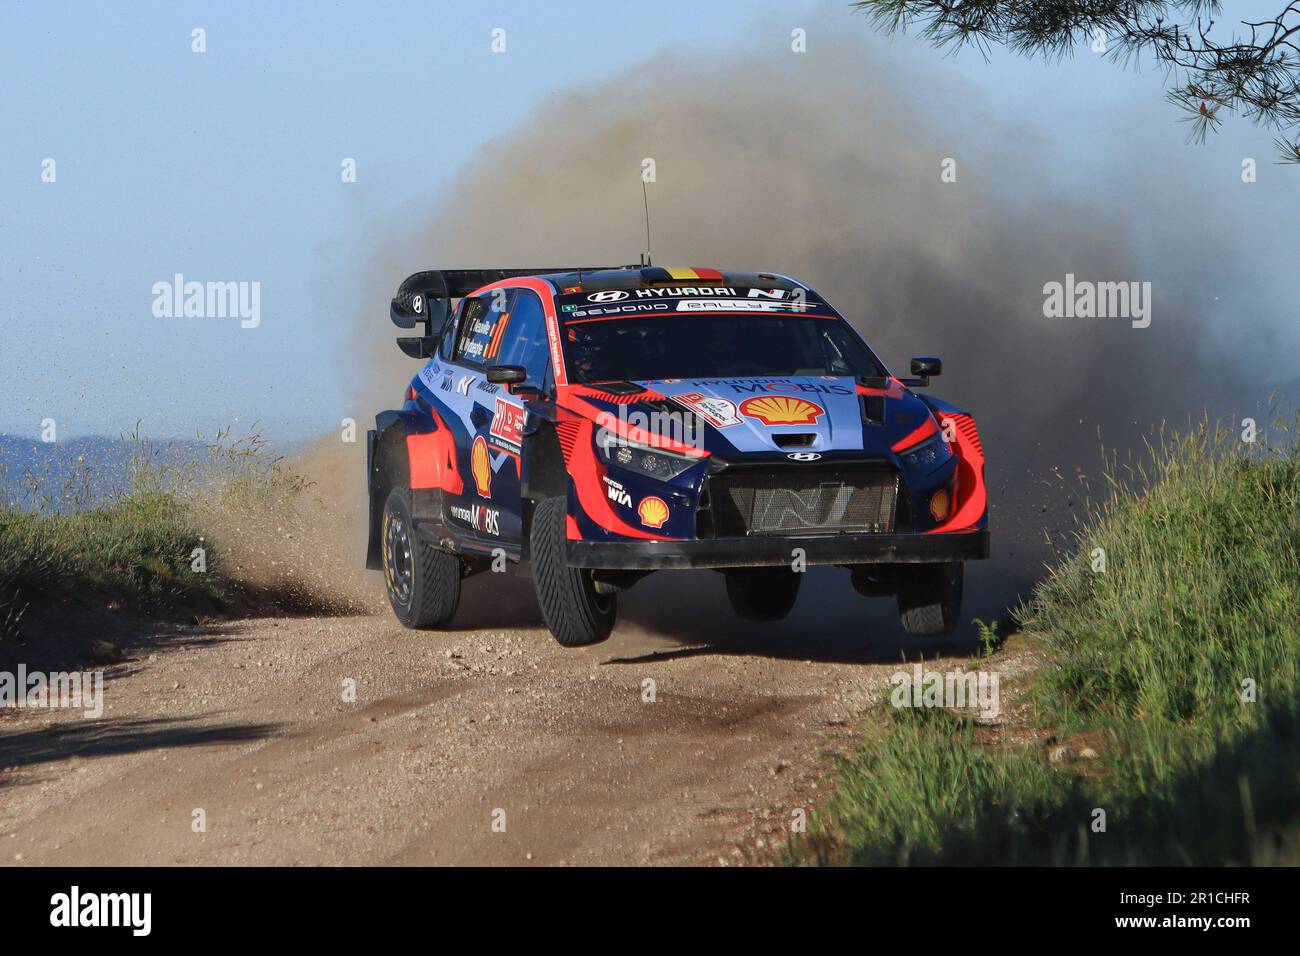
(774,550)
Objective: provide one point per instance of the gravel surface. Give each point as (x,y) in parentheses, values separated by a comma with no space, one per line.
(476,745)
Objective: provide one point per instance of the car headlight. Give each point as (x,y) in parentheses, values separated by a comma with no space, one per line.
(928,455)
(651,462)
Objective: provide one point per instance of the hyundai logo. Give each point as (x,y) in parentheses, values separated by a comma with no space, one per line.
(615,295)
(803,456)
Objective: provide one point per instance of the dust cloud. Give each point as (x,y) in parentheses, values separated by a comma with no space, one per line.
(827,167)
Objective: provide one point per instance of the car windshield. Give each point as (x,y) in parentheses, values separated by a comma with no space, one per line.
(715,346)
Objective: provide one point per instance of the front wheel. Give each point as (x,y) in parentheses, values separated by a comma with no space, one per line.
(762,594)
(929,598)
(423,583)
(571,606)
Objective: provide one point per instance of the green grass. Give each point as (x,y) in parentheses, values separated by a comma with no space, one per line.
(136,548)
(1146,663)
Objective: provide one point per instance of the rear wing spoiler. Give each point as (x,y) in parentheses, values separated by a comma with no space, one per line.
(426,297)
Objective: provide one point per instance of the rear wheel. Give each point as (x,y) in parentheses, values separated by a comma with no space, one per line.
(762,594)
(874,580)
(929,598)
(423,583)
(571,606)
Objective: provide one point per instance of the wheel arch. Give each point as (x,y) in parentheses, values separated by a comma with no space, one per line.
(388,468)
(545,476)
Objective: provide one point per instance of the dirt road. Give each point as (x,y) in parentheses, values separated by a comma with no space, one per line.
(453,734)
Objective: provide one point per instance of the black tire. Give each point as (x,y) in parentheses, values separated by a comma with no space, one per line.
(423,583)
(874,580)
(763,594)
(573,610)
(929,598)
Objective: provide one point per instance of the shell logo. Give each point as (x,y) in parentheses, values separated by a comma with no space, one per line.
(653,512)
(782,410)
(481,467)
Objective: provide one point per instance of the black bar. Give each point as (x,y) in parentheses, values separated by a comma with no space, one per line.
(933,908)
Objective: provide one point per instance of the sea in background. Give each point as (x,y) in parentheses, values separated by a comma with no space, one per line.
(89,471)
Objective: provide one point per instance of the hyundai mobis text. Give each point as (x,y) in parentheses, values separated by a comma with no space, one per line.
(595,425)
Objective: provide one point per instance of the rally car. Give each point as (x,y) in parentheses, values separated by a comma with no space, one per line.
(593,425)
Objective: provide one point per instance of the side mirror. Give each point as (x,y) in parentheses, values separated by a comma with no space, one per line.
(923,367)
(507,374)
(513,378)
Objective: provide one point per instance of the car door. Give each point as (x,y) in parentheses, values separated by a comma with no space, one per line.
(520,340)
(487,509)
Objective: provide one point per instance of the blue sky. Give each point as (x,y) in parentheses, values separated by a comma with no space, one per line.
(225,165)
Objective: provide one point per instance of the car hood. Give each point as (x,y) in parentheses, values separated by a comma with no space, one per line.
(794,414)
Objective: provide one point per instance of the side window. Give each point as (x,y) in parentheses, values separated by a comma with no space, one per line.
(447,339)
(524,340)
(482,322)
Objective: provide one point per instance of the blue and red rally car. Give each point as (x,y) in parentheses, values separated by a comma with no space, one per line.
(595,425)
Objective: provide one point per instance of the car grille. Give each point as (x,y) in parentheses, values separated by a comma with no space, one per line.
(802,501)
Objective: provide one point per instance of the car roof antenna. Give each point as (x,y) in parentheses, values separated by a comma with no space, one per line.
(645,200)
